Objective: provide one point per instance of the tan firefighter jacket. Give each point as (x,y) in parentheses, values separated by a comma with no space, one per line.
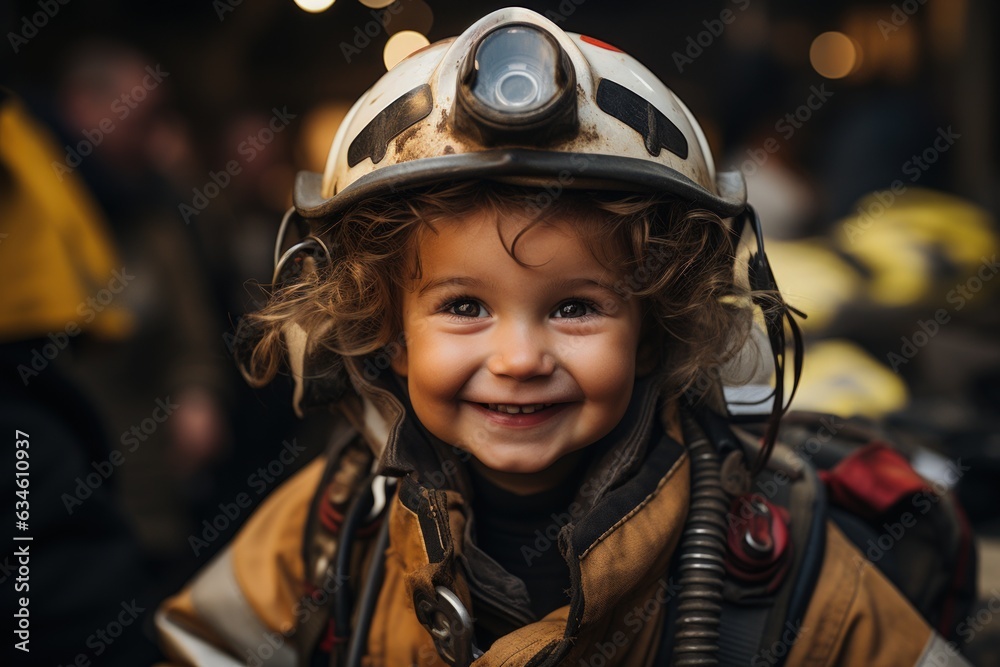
(264,601)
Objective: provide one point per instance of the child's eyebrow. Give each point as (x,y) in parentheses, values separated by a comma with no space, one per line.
(468,281)
(571,283)
(458,281)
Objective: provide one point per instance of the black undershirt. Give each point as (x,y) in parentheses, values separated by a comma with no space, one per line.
(506,525)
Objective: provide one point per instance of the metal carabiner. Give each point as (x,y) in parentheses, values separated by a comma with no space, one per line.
(449,624)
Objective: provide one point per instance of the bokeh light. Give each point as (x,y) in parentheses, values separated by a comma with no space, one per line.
(834,55)
(414,15)
(401,45)
(314,6)
(318,129)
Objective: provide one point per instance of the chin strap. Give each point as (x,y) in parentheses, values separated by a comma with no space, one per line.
(776,312)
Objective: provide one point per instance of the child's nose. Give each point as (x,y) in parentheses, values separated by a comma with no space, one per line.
(520,352)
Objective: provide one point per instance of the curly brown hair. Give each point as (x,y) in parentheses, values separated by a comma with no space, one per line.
(678,259)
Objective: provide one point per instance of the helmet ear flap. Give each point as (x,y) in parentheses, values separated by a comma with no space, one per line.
(318,372)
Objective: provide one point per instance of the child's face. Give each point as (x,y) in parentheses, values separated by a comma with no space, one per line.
(482,330)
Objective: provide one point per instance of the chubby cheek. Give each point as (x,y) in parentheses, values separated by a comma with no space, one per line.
(438,368)
(605,372)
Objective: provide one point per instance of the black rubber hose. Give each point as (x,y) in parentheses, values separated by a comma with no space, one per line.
(369,596)
(701,556)
(342,599)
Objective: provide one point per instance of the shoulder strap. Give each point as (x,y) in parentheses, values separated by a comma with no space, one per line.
(349,462)
(757,622)
(764,625)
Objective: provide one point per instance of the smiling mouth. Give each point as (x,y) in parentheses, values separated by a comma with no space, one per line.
(512,409)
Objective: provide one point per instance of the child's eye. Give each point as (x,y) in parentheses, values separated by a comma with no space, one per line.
(574,309)
(466,308)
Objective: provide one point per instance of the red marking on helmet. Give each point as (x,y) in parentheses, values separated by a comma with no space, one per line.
(597,42)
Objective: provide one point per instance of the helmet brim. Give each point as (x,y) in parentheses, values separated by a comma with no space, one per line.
(526,167)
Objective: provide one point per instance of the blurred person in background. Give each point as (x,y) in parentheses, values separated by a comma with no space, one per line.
(86,569)
(116,100)
(191,262)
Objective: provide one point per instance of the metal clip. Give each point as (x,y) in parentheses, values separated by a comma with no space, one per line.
(757,538)
(310,245)
(450,625)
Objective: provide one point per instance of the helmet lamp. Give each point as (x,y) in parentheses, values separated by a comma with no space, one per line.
(517,81)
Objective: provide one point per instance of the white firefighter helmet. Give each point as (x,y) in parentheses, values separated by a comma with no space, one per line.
(515,98)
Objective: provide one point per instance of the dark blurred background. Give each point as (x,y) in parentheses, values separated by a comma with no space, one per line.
(149,151)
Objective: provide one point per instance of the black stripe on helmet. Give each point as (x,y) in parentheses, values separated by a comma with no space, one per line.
(657,130)
(373,140)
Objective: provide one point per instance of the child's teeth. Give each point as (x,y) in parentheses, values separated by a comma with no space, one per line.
(516,409)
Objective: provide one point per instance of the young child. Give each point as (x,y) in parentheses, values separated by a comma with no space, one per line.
(517,285)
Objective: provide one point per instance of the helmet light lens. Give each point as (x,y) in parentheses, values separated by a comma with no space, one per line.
(516,70)
(517,88)
(517,84)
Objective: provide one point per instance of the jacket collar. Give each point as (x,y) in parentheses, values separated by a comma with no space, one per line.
(632,502)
